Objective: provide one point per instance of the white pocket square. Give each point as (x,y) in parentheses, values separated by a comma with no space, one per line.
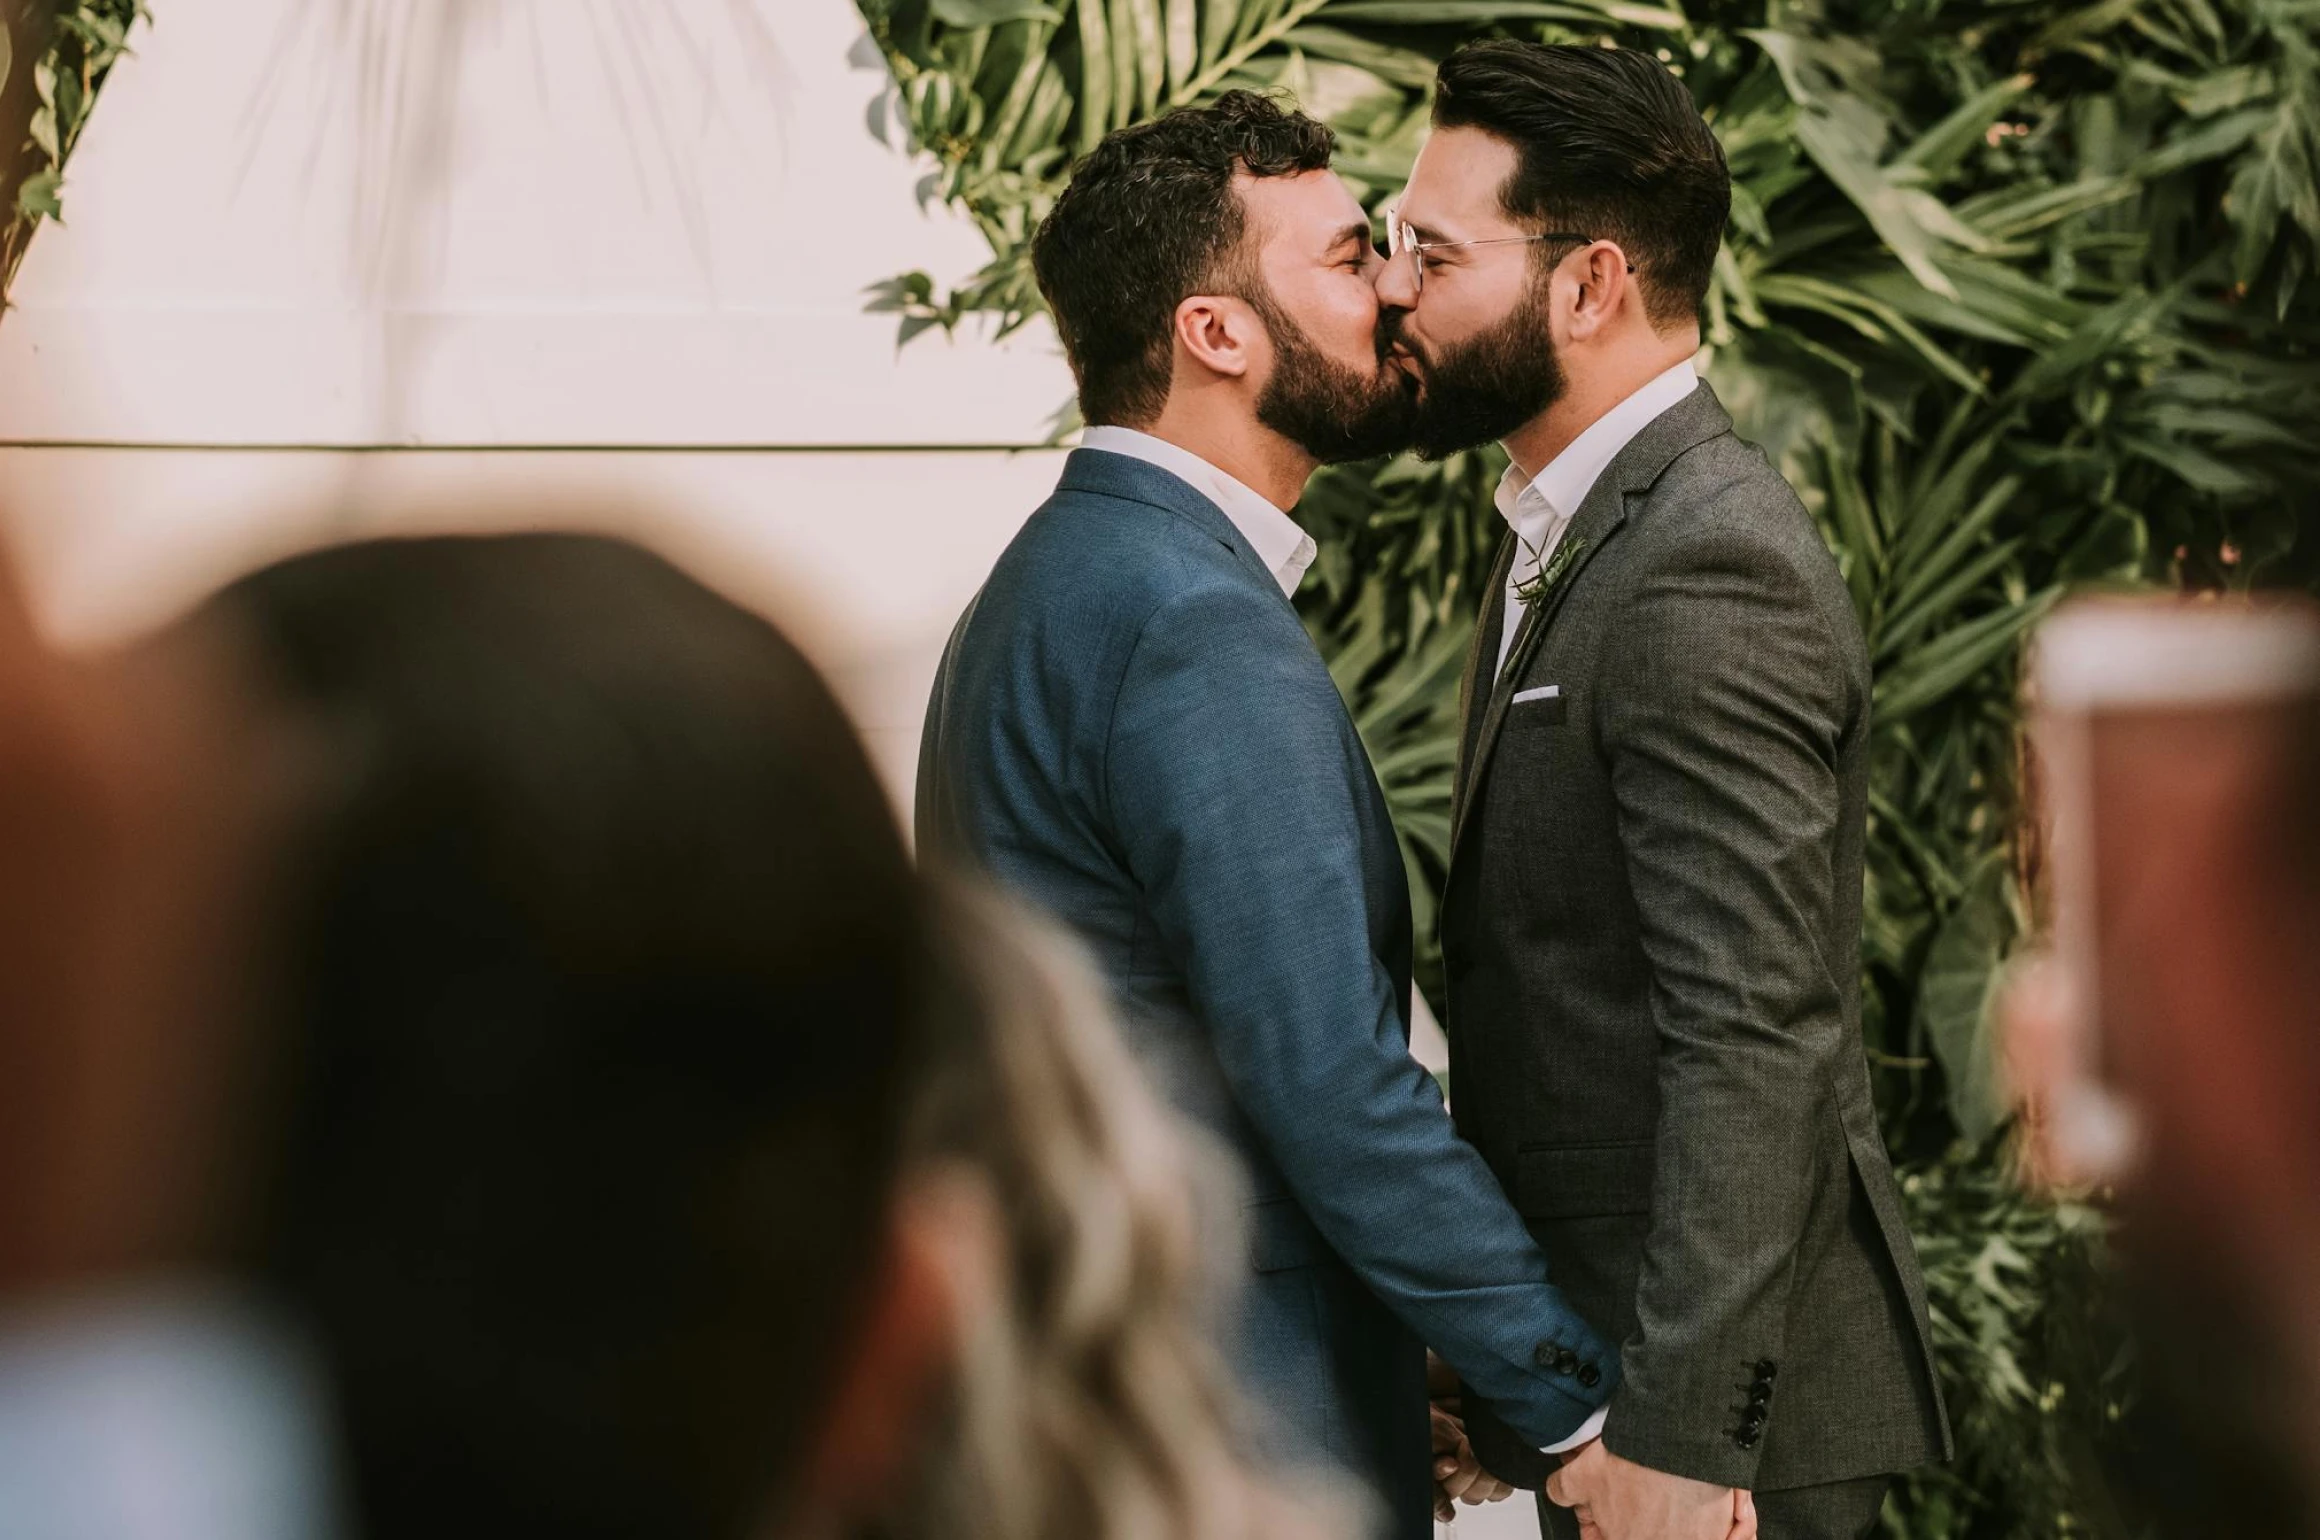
(1543,692)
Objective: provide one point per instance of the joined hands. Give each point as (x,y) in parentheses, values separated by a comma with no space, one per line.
(1615,1499)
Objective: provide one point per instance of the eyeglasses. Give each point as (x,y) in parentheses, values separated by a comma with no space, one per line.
(1401,241)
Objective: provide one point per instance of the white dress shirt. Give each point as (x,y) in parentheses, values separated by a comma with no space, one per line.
(1280,543)
(1540,510)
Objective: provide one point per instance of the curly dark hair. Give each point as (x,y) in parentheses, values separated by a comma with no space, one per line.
(1610,144)
(1149,218)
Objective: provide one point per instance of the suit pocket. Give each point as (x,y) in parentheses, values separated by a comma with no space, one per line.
(1538,711)
(1582,1181)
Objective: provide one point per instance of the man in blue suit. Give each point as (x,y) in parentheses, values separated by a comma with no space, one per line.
(1132,728)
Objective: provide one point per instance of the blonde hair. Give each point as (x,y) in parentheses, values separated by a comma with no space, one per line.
(1093,1404)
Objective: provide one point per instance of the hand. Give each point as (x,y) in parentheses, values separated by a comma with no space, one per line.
(1458,1475)
(1616,1499)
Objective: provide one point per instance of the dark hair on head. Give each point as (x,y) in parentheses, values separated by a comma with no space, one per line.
(602,965)
(1149,218)
(1611,145)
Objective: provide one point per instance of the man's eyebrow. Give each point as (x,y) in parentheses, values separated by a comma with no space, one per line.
(1357,233)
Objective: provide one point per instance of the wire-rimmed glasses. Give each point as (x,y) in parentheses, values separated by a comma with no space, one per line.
(1402,241)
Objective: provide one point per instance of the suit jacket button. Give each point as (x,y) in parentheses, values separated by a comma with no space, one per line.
(1545,1356)
(1566,1362)
(1590,1376)
(1766,1369)
(1745,1440)
(1761,1396)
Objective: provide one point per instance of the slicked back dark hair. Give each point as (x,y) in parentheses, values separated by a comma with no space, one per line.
(1150,218)
(1611,145)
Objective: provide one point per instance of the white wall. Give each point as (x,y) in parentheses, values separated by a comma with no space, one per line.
(339,265)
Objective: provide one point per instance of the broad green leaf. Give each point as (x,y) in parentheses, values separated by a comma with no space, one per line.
(1435,13)
(1908,623)
(1146,32)
(1183,43)
(1945,144)
(1133,64)
(1932,574)
(1957,657)
(1095,74)
(990,13)
(37,198)
(1957,996)
(2211,140)
(1216,30)
(1404,67)
(1022,92)
(2092,21)
(1894,216)
(2201,471)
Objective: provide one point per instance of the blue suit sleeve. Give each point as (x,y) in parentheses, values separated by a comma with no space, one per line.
(1238,793)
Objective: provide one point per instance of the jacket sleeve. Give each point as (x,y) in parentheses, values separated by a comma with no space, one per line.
(1722,721)
(1238,793)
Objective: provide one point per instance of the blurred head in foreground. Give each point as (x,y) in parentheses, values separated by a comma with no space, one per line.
(602,973)
(641,1147)
(2172,1043)
(1091,1403)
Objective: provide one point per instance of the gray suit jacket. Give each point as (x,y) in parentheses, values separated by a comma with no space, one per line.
(1132,728)
(1652,934)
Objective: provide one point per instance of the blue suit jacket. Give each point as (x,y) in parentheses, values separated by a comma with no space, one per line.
(1132,729)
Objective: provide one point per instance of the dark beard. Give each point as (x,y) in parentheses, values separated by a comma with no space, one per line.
(1333,413)
(1490,384)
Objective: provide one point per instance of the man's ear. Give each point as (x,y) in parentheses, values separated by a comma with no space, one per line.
(1219,334)
(1603,283)
(940,1273)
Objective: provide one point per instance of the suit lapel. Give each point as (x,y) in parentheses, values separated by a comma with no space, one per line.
(1481,655)
(1687,424)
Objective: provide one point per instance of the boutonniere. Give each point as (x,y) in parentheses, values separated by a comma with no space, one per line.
(1542,581)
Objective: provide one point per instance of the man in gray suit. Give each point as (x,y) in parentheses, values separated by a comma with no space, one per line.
(1652,921)
(1132,728)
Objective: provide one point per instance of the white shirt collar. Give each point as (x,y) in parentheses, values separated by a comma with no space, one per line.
(1284,547)
(1538,509)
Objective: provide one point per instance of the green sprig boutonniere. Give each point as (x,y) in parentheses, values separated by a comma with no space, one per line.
(1542,581)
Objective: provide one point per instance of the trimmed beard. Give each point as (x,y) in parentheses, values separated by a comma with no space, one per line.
(1332,412)
(1487,386)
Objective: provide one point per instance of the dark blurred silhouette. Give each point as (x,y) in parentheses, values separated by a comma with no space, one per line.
(2172,1043)
(479,1061)
(601,957)
(458,1005)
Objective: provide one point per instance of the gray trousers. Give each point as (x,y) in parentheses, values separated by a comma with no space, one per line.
(1843,1510)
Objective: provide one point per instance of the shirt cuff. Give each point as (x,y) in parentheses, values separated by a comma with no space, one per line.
(1589,1431)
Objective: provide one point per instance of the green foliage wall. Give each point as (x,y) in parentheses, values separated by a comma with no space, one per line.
(2021,296)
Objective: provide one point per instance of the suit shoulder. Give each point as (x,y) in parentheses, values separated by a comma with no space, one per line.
(1089,546)
(1723,507)
(1724,500)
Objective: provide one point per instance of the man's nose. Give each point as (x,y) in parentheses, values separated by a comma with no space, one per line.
(1396,285)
